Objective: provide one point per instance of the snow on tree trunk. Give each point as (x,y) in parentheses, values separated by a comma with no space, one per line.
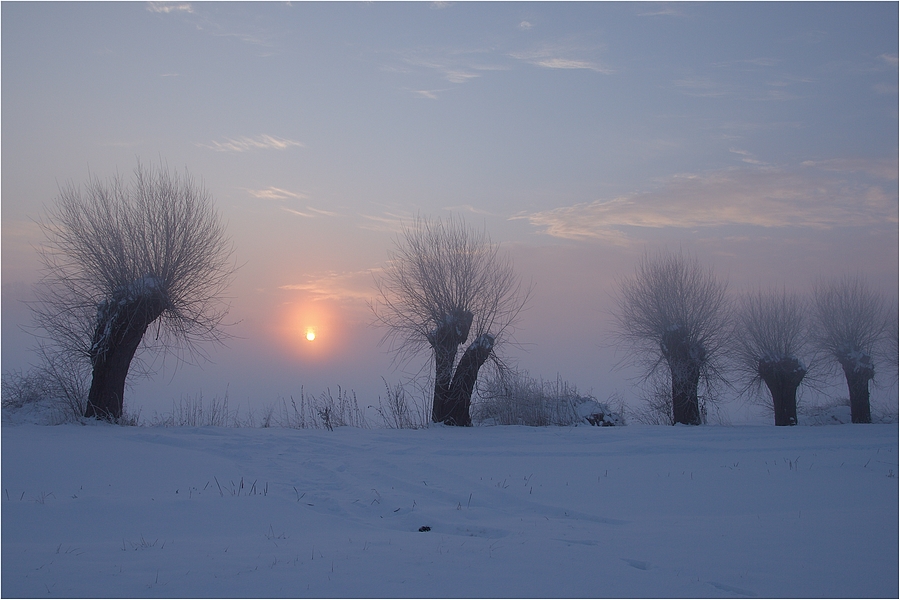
(685,359)
(464,380)
(858,369)
(783,376)
(121,323)
(452,330)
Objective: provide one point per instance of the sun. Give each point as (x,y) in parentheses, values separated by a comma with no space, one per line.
(310,334)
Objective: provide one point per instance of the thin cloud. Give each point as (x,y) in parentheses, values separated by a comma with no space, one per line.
(341,286)
(311,212)
(703,87)
(274,193)
(455,66)
(170,7)
(662,12)
(554,58)
(460,76)
(751,197)
(525,25)
(297,212)
(882,168)
(389,222)
(746,157)
(246,144)
(471,209)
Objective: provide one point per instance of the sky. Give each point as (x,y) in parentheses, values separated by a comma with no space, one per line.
(761,137)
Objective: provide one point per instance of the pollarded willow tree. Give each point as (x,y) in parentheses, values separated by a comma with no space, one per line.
(121,256)
(769,339)
(446,285)
(674,313)
(854,325)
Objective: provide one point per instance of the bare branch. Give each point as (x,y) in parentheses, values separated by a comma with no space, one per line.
(673,312)
(446,284)
(855,326)
(123,255)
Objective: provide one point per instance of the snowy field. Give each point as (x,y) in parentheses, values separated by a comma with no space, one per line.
(636,511)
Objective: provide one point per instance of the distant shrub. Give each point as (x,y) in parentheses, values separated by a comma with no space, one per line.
(395,410)
(52,394)
(514,398)
(323,412)
(20,388)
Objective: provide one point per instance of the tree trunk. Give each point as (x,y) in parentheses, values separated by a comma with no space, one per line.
(859,370)
(783,377)
(464,380)
(685,358)
(685,403)
(451,331)
(121,323)
(443,376)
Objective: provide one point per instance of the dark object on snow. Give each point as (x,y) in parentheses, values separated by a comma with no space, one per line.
(424,528)
(599,420)
(597,414)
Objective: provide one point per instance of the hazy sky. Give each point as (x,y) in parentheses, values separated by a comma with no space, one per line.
(763,137)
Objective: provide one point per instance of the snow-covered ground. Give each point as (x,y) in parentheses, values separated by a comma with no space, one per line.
(750,511)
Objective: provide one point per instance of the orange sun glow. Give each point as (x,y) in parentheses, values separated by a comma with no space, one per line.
(310,334)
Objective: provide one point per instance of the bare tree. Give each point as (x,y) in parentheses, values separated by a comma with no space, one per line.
(769,338)
(445,285)
(673,312)
(119,257)
(854,325)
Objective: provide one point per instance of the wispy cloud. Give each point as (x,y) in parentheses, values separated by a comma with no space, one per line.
(890,59)
(456,66)
(170,7)
(668,11)
(310,212)
(525,25)
(430,94)
(555,57)
(341,286)
(703,87)
(274,193)
(763,197)
(746,157)
(389,222)
(882,168)
(460,76)
(246,144)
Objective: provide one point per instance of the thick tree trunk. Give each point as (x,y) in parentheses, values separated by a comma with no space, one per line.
(783,377)
(464,380)
(443,376)
(451,331)
(685,403)
(685,358)
(858,370)
(121,323)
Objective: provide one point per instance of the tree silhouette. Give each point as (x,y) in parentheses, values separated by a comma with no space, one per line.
(769,339)
(674,312)
(120,256)
(853,324)
(445,285)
